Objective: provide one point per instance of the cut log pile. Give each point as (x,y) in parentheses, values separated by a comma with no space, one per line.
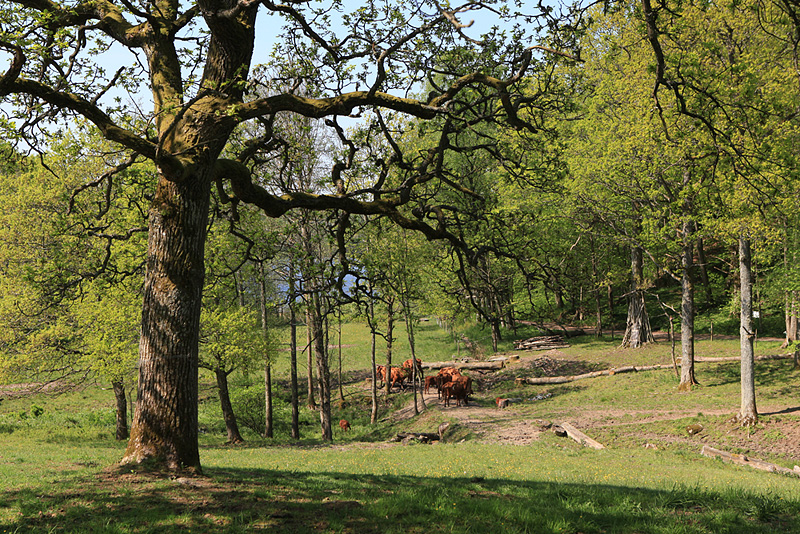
(541,343)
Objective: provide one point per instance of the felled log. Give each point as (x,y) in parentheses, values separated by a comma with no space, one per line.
(541,343)
(741,459)
(737,358)
(580,437)
(477,366)
(606,372)
(422,437)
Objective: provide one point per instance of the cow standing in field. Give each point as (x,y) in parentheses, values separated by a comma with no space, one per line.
(444,376)
(430,381)
(397,378)
(461,389)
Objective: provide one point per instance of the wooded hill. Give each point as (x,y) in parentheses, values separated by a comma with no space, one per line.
(625,164)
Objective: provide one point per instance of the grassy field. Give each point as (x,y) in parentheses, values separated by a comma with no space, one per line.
(57,456)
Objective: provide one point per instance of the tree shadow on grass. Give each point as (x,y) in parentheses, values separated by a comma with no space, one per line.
(768,373)
(252,500)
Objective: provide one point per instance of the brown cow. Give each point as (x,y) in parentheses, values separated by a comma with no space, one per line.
(444,376)
(380,374)
(446,392)
(430,381)
(399,376)
(467,383)
(461,388)
(407,364)
(344,425)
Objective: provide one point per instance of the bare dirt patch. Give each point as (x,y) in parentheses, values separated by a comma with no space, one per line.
(775,438)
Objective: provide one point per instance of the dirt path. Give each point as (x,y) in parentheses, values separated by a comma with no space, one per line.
(516,425)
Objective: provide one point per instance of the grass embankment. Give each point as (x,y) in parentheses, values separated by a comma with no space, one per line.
(56,471)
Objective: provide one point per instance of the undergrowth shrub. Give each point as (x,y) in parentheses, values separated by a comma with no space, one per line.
(249,406)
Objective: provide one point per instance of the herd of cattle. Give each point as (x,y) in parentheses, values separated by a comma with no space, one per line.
(449,382)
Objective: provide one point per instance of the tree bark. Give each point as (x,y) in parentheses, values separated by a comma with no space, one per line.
(268,429)
(373,418)
(268,420)
(416,371)
(323,371)
(790,296)
(227,409)
(293,356)
(122,410)
(637,329)
(748,415)
(687,309)
(389,343)
(164,429)
(312,404)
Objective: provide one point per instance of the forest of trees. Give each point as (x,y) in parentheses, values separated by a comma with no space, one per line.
(173,187)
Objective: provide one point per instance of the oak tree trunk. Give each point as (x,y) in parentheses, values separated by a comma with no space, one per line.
(164,430)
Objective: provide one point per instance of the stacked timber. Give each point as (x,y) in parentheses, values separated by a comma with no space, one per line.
(541,343)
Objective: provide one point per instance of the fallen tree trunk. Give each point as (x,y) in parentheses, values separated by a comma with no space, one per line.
(477,366)
(741,459)
(422,437)
(579,436)
(606,372)
(737,358)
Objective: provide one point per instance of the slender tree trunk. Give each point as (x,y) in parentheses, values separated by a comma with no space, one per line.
(122,409)
(268,429)
(164,426)
(227,409)
(748,415)
(637,329)
(341,380)
(293,356)
(416,371)
(268,419)
(312,404)
(497,335)
(610,296)
(373,418)
(389,343)
(790,296)
(687,310)
(323,371)
(596,282)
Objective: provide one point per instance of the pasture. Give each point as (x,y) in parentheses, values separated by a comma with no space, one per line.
(57,455)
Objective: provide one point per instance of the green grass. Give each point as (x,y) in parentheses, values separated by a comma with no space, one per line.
(57,456)
(469,487)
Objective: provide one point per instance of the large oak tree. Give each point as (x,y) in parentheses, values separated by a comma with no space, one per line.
(189,68)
